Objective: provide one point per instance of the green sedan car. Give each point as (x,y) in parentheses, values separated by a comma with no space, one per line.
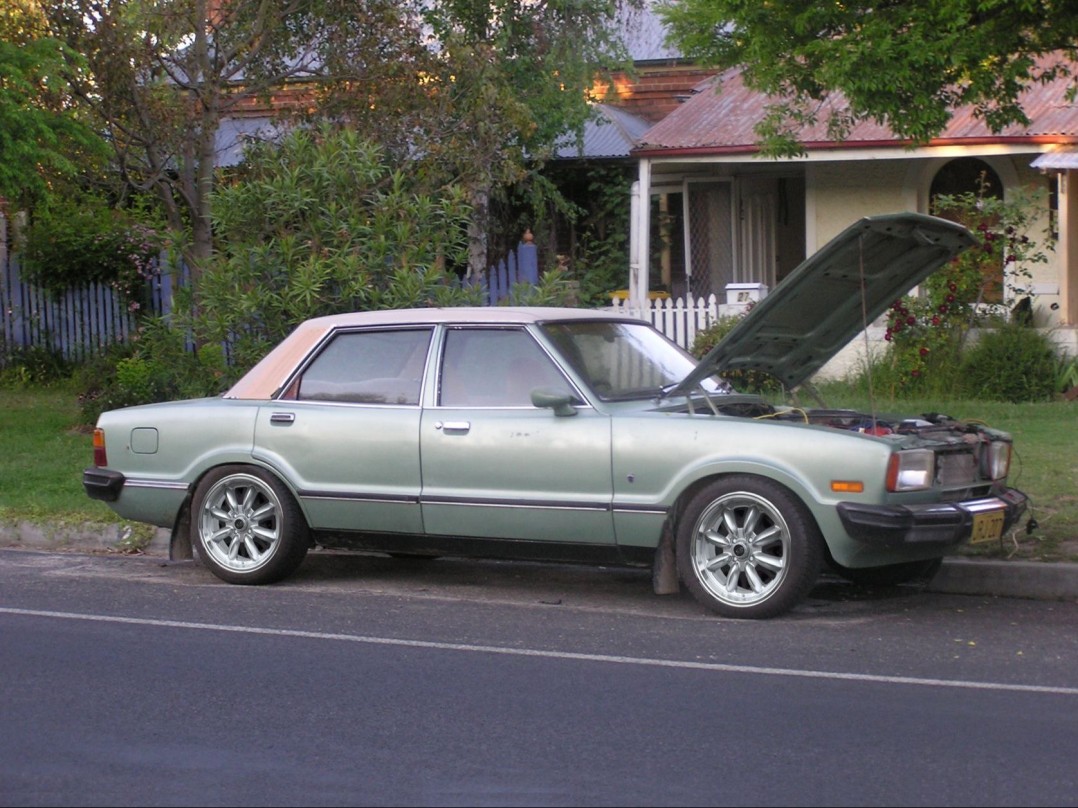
(574,435)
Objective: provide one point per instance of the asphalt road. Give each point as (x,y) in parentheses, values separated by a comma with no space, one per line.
(363,680)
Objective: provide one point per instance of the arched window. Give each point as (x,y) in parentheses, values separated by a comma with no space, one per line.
(968,175)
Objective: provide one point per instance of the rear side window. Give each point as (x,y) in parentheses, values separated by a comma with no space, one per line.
(368,367)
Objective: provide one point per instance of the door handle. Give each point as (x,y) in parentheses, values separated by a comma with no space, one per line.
(283,418)
(453,426)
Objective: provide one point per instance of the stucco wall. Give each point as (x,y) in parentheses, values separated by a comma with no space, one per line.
(839,193)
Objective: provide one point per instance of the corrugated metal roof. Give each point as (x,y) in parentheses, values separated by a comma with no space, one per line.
(611,133)
(234,133)
(723,122)
(1062,160)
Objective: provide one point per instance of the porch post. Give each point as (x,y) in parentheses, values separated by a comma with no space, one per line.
(1068,247)
(640,238)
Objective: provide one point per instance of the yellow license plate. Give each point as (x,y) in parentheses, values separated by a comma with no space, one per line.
(987,527)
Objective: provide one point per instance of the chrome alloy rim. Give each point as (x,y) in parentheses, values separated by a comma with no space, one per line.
(240,522)
(740,549)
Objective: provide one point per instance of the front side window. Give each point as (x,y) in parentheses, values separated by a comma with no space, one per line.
(622,361)
(368,367)
(495,367)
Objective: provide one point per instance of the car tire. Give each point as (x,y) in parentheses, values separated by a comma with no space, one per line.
(747,547)
(247,527)
(892,574)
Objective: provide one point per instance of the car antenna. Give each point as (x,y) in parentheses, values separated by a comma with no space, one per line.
(864,327)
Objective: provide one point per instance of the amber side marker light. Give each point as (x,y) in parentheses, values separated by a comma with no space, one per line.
(847,486)
(100,458)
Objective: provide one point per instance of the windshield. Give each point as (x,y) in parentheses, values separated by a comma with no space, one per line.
(622,361)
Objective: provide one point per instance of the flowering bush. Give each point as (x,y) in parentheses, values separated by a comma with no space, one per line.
(80,241)
(927,332)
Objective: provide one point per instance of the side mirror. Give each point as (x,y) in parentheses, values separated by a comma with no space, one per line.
(561,403)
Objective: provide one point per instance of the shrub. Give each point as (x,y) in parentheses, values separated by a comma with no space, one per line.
(322,224)
(32,365)
(1010,363)
(711,336)
(82,240)
(927,332)
(157,364)
(744,381)
(1067,374)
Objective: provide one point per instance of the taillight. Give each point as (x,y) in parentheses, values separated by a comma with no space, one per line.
(100,458)
(911,470)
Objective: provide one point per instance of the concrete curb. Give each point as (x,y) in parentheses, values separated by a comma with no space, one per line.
(1016,579)
(91,538)
(959,576)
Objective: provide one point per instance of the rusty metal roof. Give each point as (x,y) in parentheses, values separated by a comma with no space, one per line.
(721,115)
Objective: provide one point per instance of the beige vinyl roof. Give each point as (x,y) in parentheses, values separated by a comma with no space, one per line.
(265,378)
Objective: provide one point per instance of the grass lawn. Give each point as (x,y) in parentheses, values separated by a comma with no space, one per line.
(45,450)
(44,453)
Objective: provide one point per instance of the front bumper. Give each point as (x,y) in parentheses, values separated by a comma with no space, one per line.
(102,484)
(937,524)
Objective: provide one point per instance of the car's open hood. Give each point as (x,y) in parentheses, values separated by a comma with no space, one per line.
(830,298)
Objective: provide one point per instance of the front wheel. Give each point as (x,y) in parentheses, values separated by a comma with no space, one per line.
(747,547)
(247,527)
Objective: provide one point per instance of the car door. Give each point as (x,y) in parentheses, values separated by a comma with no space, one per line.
(346,431)
(495,465)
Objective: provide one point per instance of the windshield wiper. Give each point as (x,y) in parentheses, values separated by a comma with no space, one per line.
(664,391)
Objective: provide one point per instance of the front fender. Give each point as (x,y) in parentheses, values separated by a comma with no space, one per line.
(657,460)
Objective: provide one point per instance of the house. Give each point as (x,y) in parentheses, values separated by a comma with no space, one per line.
(723,214)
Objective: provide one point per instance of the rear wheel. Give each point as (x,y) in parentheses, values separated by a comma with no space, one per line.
(747,547)
(247,527)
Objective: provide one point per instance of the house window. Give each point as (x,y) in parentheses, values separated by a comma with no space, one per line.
(968,175)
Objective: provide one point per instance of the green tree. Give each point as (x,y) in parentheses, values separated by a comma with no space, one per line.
(163,74)
(504,81)
(43,137)
(903,64)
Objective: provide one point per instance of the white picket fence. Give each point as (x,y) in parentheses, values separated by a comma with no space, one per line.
(680,319)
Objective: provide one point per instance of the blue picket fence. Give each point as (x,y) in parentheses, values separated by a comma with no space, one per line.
(519,267)
(83,321)
(76,324)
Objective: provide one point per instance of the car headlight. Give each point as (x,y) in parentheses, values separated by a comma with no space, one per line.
(911,470)
(996,459)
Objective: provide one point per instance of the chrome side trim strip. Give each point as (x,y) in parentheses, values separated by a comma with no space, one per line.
(555,505)
(520,504)
(133,482)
